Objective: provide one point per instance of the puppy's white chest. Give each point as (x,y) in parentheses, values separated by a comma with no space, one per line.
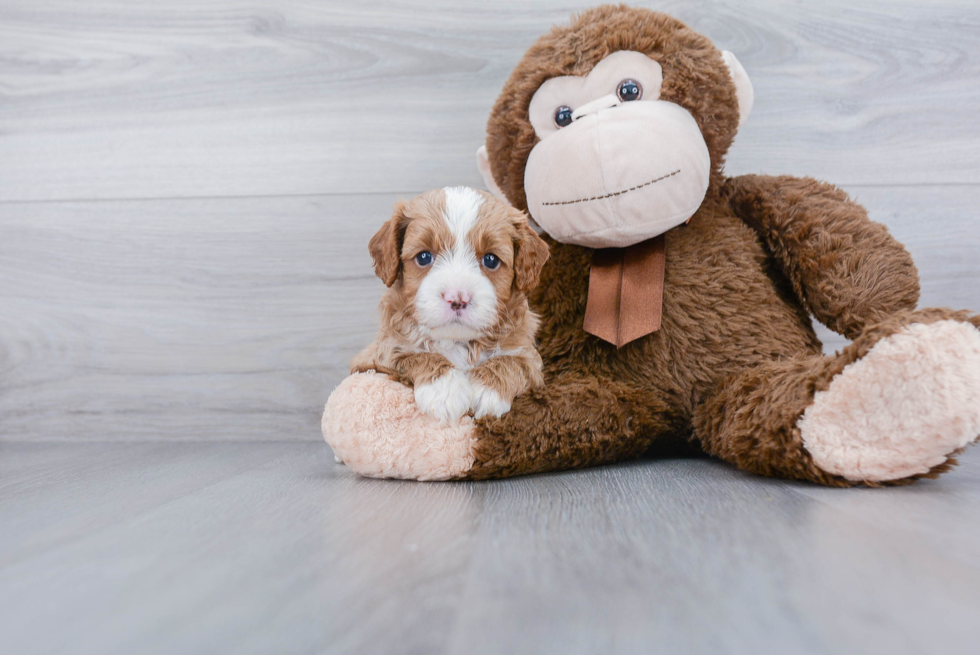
(457,352)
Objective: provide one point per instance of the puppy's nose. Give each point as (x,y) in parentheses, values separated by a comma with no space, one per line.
(457,298)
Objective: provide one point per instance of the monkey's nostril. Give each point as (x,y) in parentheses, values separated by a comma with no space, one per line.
(605,102)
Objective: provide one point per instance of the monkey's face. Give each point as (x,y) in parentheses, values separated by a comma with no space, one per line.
(615,164)
(610,131)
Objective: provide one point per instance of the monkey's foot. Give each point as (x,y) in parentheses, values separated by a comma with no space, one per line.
(902,409)
(374,426)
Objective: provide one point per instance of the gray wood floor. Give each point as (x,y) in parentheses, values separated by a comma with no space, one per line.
(271,548)
(186,191)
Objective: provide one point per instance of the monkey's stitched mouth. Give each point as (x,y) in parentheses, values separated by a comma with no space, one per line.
(610,195)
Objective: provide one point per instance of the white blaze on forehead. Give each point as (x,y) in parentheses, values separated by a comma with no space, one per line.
(462,210)
(461,213)
(457,268)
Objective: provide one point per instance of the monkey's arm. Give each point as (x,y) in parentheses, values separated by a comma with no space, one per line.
(574,420)
(847,270)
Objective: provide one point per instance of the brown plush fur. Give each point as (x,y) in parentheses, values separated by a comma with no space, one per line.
(736,361)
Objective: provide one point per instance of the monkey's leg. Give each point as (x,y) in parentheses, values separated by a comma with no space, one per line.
(894,406)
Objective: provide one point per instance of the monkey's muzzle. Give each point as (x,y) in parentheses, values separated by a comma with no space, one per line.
(618,176)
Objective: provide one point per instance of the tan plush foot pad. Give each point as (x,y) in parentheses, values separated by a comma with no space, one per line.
(373,425)
(902,409)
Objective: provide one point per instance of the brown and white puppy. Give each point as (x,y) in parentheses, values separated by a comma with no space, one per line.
(455,322)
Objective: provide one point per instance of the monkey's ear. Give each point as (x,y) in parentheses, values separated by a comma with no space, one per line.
(483,163)
(386,246)
(531,252)
(743,86)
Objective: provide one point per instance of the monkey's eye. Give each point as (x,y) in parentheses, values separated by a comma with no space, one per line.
(629,90)
(424,258)
(563,116)
(491,261)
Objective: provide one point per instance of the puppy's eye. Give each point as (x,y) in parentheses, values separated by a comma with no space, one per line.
(491,261)
(629,90)
(563,116)
(424,258)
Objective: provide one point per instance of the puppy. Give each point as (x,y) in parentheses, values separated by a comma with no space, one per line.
(455,323)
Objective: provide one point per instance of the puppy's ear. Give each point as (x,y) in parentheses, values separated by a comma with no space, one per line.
(530,254)
(386,246)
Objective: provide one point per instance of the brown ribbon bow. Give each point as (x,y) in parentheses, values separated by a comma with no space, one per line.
(626,291)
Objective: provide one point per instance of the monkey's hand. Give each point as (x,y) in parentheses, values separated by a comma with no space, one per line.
(374,425)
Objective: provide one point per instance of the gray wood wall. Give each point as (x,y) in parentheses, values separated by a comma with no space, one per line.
(187,188)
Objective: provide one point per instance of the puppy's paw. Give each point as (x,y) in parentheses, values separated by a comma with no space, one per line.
(487,402)
(447,398)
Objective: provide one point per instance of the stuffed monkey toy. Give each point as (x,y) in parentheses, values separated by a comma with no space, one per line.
(675,307)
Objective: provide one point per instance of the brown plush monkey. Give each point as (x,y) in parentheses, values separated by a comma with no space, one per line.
(676,304)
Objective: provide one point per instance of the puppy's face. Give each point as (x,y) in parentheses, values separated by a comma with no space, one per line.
(458,256)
